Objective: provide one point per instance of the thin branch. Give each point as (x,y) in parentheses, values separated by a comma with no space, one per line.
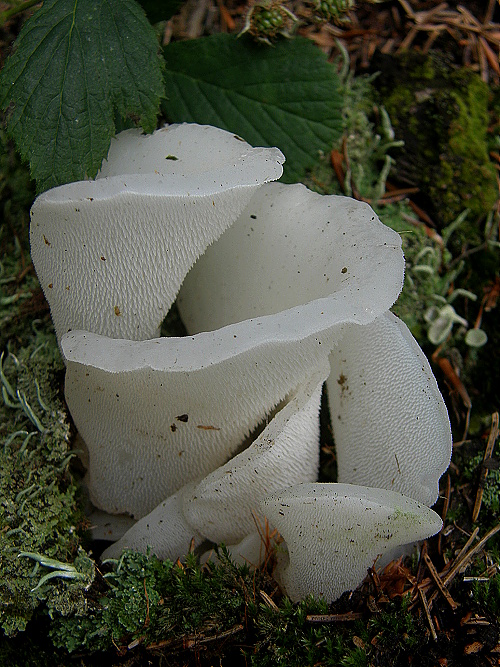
(484,468)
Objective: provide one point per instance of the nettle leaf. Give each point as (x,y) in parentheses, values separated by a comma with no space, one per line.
(286,96)
(76,65)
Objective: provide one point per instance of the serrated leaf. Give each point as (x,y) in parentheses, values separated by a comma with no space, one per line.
(76,64)
(285,96)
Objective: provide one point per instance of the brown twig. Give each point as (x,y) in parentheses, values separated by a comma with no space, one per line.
(192,641)
(425,605)
(333,618)
(464,557)
(441,587)
(484,468)
(444,512)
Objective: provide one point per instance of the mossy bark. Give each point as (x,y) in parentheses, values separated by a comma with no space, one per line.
(441,113)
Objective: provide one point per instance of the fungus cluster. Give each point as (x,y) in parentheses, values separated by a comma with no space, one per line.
(280,289)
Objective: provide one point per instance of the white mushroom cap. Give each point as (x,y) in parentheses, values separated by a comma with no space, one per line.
(221,507)
(111,253)
(292,247)
(389,419)
(158,414)
(334,533)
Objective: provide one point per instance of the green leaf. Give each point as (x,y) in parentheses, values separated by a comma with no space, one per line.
(77,63)
(285,96)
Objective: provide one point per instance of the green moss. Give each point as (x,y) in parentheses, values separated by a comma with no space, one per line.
(486,594)
(397,628)
(287,638)
(38,508)
(144,600)
(442,115)
(490,506)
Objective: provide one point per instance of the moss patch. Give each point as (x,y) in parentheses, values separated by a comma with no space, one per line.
(441,113)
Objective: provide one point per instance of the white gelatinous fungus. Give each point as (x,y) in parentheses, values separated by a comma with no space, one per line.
(335,532)
(111,253)
(158,414)
(221,507)
(127,398)
(291,247)
(403,440)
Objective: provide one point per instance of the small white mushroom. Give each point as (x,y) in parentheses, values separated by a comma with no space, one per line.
(389,419)
(112,253)
(221,507)
(335,532)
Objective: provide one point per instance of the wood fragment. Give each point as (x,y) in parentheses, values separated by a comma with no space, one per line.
(474,647)
(268,601)
(407,7)
(421,214)
(488,452)
(425,605)
(337,162)
(457,384)
(483,63)
(193,641)
(408,40)
(444,512)
(226,18)
(469,17)
(490,55)
(477,620)
(452,564)
(430,40)
(465,556)
(333,618)
(488,17)
(442,588)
